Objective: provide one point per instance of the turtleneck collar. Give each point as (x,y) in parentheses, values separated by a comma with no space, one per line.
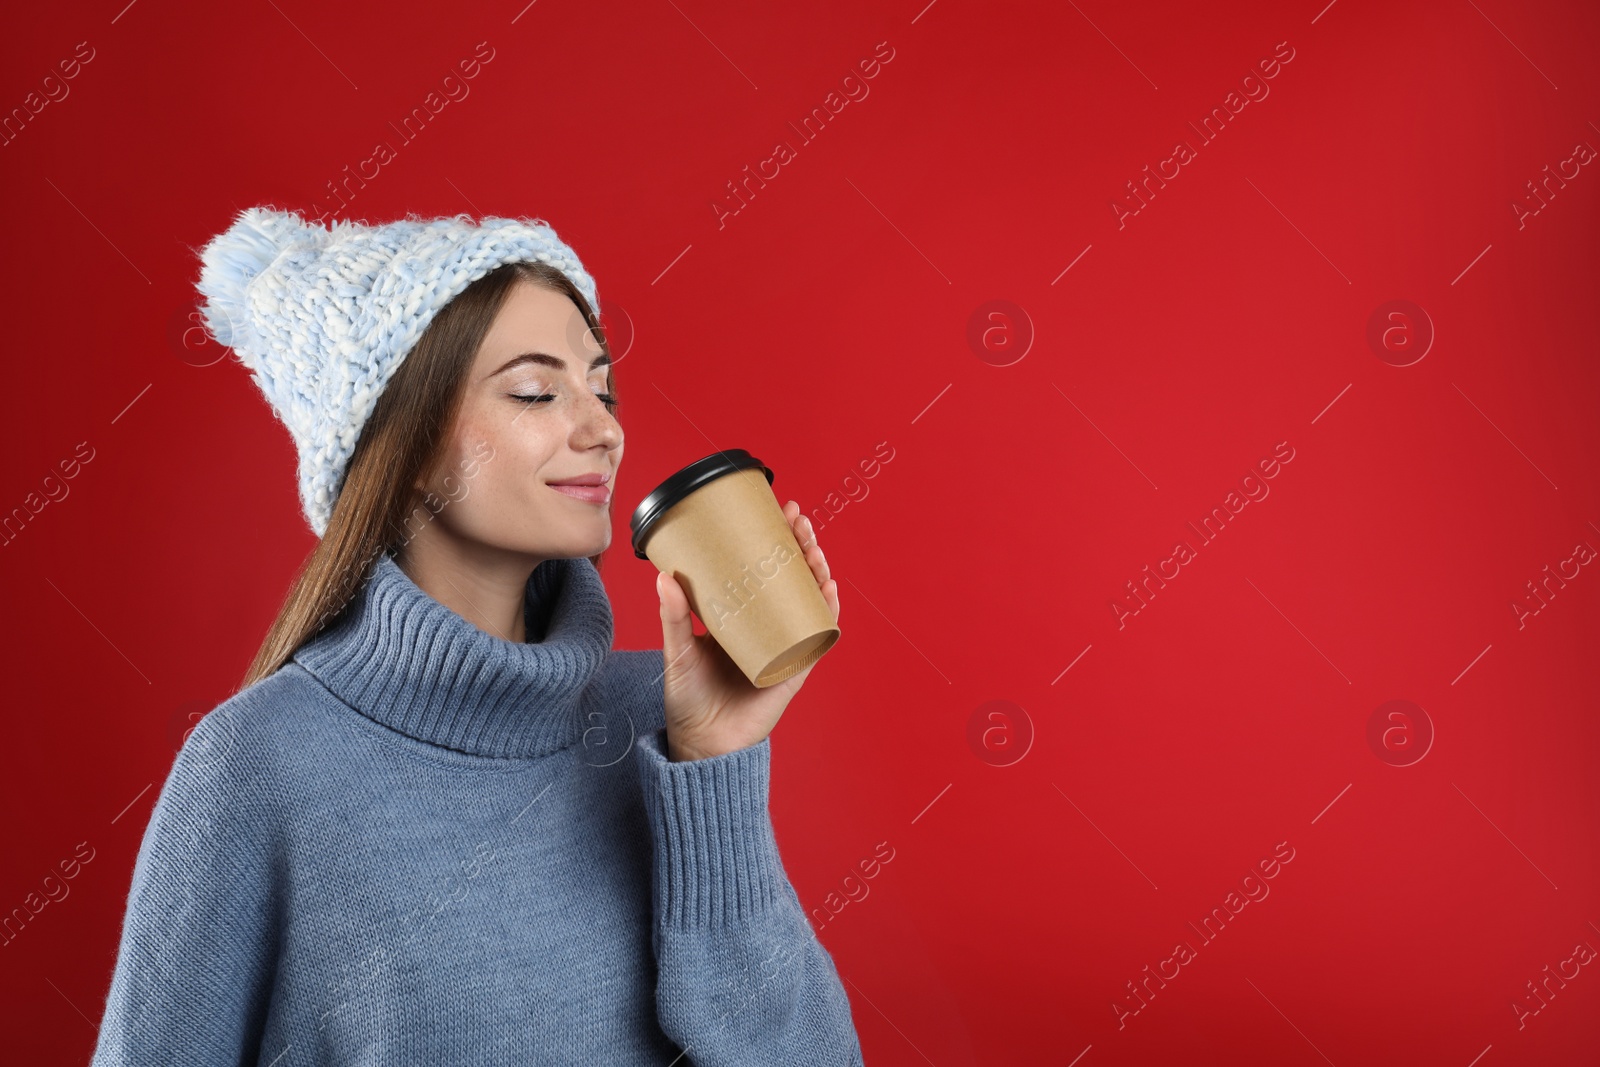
(401,657)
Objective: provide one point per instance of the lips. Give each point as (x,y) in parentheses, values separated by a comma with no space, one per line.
(586,487)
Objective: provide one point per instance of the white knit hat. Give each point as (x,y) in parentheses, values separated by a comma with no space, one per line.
(324,317)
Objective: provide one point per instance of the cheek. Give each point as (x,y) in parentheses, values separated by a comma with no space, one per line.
(509,459)
(467,464)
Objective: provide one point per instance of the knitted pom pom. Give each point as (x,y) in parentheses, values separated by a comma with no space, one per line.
(232,261)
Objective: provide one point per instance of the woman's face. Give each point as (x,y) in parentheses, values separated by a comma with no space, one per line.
(534,412)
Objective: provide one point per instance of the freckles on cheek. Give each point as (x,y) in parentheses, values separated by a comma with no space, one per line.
(482,436)
(468,459)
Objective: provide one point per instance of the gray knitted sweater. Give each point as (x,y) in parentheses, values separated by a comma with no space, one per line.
(418,843)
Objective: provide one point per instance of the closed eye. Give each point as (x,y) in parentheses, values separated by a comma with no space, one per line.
(608,399)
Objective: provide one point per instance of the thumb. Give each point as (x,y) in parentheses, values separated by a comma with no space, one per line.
(677,629)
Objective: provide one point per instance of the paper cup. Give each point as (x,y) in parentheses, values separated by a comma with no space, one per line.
(717,528)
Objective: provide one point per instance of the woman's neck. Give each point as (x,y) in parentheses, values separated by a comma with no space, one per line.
(485,586)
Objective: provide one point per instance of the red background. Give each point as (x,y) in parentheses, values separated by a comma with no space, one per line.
(831,314)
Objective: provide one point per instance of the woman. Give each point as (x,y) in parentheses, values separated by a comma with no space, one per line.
(444,821)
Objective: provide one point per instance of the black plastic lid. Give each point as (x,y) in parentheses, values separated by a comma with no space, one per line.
(682,484)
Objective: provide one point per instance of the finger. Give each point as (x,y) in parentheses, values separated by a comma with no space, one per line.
(807,539)
(818,562)
(830,593)
(805,534)
(677,627)
(799,525)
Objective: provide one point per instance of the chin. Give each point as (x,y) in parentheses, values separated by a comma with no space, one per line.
(573,547)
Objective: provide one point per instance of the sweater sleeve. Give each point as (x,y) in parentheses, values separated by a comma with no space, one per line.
(195,961)
(741,976)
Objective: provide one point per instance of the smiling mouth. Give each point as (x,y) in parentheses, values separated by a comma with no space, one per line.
(594,494)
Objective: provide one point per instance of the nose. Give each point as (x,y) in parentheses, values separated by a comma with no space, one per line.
(595,425)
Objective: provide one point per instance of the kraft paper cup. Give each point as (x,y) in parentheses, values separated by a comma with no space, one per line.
(717,528)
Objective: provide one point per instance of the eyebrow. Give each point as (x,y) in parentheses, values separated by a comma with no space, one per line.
(546,360)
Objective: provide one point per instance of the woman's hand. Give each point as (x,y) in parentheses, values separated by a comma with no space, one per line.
(711,707)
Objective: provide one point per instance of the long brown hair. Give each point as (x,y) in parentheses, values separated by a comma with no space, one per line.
(401,443)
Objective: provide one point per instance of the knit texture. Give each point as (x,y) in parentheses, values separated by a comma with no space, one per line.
(323,317)
(420,843)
